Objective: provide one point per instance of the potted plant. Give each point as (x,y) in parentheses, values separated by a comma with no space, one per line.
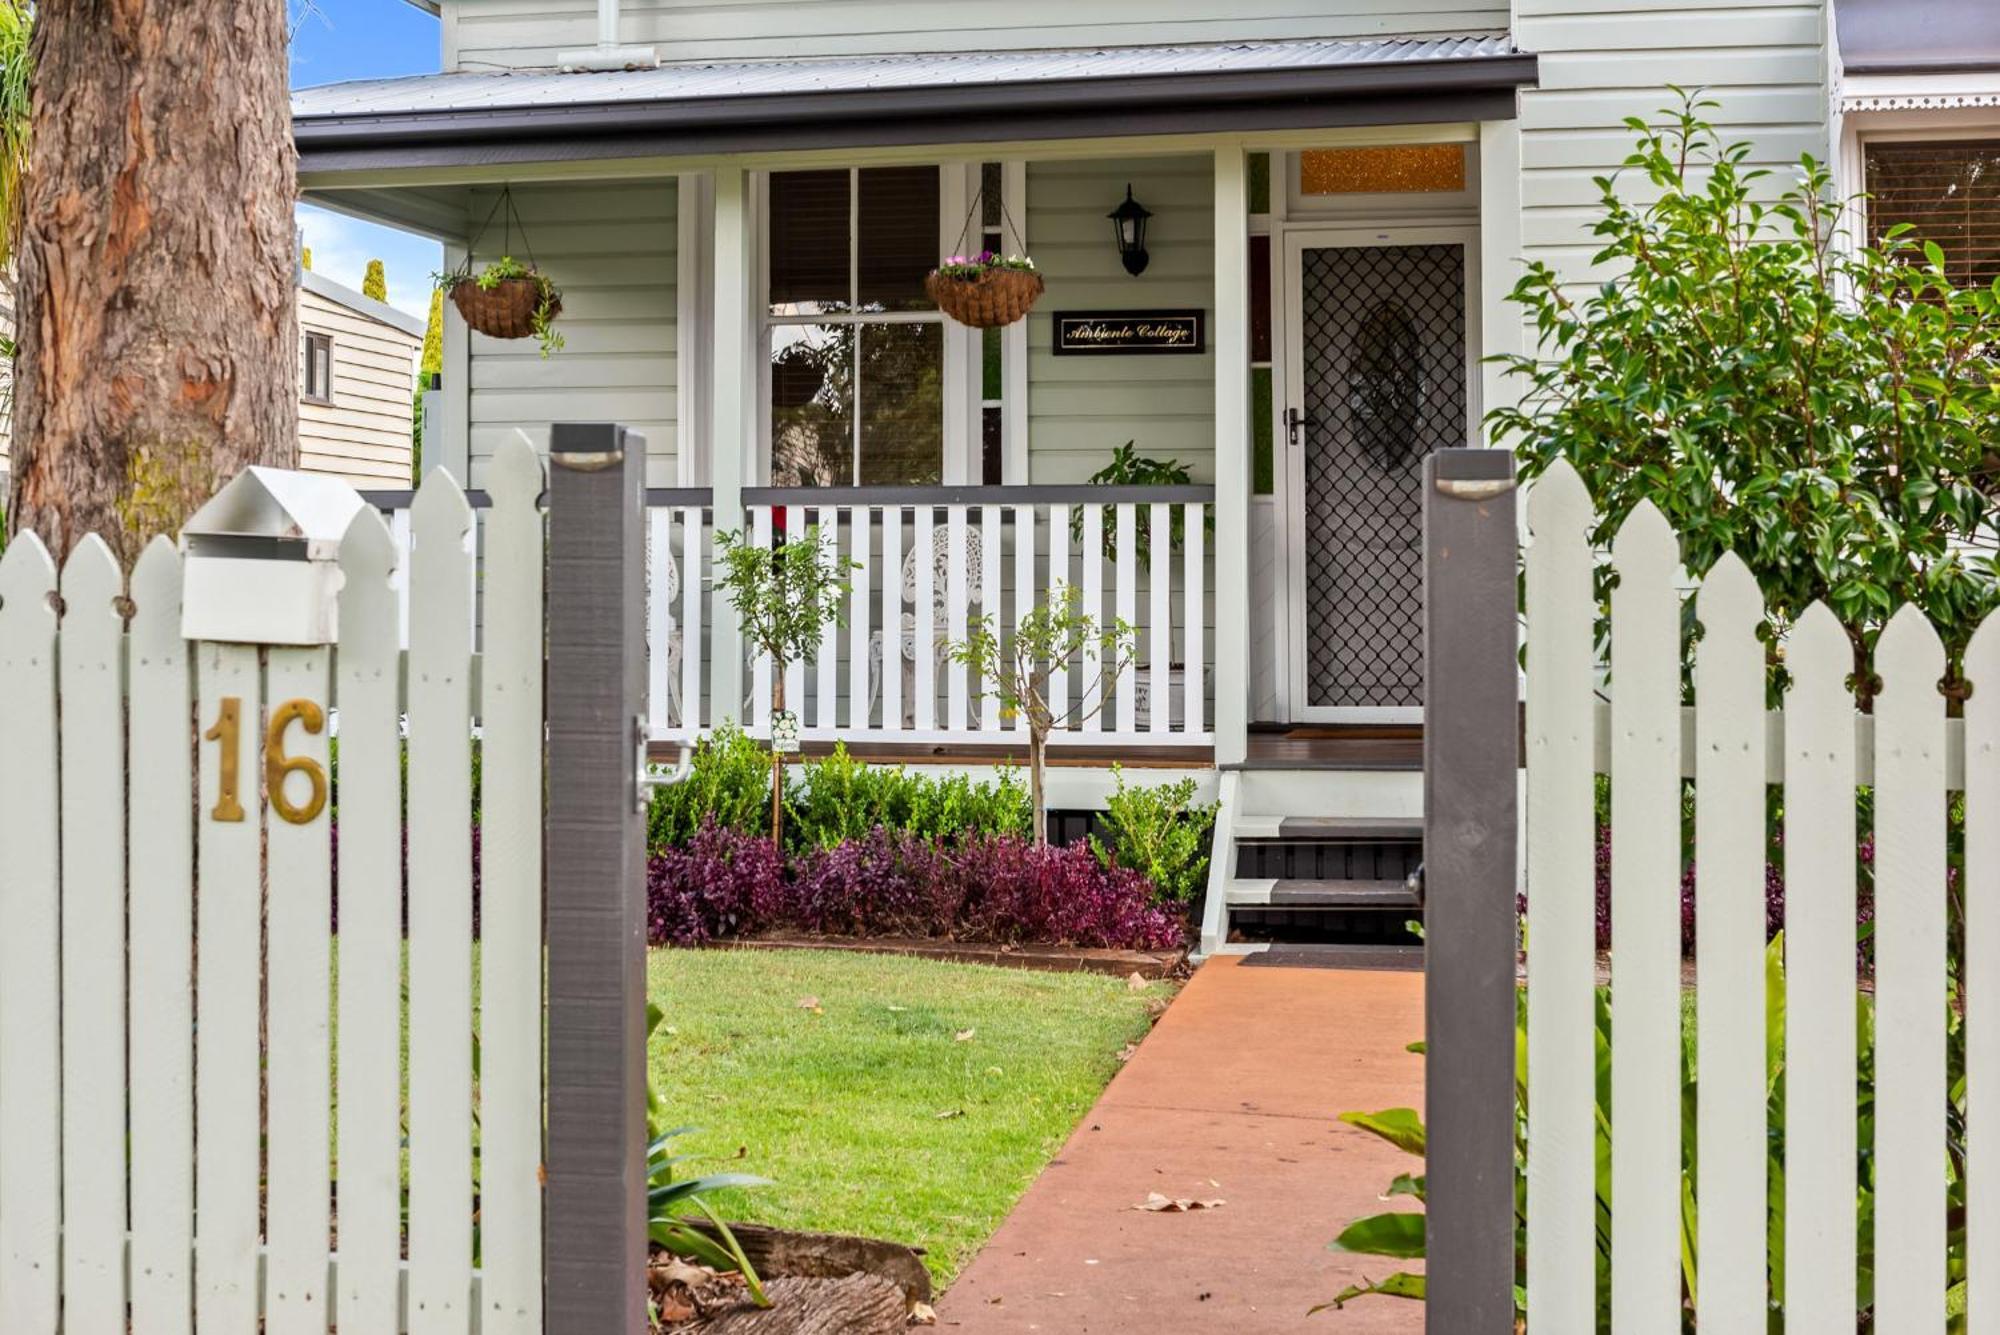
(987,290)
(507,299)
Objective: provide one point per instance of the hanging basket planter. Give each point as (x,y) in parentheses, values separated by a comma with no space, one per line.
(987,292)
(506,299)
(506,307)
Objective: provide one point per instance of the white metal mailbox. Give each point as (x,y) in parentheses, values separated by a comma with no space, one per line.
(263,559)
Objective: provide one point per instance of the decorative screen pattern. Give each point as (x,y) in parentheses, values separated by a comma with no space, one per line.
(1385,384)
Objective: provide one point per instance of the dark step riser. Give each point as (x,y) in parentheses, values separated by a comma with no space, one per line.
(1327,862)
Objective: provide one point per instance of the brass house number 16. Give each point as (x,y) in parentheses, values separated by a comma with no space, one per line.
(227,734)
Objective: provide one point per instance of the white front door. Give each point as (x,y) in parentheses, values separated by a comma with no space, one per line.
(1382,368)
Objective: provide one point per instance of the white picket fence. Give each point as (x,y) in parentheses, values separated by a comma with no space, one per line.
(1821,750)
(152,784)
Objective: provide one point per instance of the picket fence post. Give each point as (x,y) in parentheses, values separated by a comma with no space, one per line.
(595,1242)
(1471,763)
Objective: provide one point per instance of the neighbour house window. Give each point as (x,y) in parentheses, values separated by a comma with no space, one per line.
(318,386)
(856,349)
(1948,191)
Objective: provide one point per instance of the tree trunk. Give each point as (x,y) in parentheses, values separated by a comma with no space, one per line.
(157,335)
(1037,742)
(777,760)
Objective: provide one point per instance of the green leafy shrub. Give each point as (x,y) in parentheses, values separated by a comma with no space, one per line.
(839,799)
(1823,410)
(728,782)
(1161,833)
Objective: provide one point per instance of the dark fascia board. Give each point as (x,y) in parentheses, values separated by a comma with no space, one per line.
(1874,67)
(1407,92)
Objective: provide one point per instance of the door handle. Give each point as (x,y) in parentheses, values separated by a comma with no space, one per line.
(1295,423)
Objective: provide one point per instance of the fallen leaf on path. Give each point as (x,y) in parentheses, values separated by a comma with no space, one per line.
(811,1004)
(950,1113)
(963,1035)
(1128,1052)
(922,1314)
(1155,1203)
(1136,981)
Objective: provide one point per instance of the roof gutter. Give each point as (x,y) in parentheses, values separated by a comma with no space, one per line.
(1391,92)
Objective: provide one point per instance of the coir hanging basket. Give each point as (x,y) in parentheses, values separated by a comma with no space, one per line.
(993,298)
(506,309)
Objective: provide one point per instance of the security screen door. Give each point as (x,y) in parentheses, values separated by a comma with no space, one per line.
(1381,376)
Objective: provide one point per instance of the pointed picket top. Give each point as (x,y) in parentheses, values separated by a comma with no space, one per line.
(1729,600)
(1646,538)
(91,580)
(514,474)
(1909,656)
(156,602)
(27,574)
(1816,638)
(1559,503)
(440,508)
(367,550)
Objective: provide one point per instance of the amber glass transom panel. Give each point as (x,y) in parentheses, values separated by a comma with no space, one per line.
(1389,170)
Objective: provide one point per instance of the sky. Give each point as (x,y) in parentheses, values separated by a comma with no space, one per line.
(335,40)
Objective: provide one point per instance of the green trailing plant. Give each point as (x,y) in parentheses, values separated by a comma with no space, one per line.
(669,1197)
(1400,1235)
(1161,832)
(1823,409)
(785,595)
(548,298)
(1055,633)
(1129,468)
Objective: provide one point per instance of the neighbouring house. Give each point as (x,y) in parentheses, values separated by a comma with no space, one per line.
(740,204)
(357,377)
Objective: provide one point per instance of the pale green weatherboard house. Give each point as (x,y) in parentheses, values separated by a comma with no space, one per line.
(740,203)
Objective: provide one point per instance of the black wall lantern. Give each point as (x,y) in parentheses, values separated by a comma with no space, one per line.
(1128,225)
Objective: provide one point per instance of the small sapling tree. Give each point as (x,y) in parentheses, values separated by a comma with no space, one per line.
(1052,634)
(784,596)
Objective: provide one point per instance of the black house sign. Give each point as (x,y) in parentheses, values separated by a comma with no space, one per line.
(1129,333)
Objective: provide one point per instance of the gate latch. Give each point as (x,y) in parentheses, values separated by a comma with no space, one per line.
(1295,423)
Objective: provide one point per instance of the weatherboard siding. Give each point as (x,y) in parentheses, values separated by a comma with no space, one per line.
(1763,61)
(483,34)
(1082,408)
(363,435)
(611,249)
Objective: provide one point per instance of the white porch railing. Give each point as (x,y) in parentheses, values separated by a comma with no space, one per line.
(1140,555)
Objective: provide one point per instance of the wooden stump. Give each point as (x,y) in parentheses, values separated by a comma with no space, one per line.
(853,1305)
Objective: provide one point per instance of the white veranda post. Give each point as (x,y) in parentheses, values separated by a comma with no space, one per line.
(1232,455)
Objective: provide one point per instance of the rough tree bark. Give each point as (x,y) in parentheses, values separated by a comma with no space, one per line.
(156,318)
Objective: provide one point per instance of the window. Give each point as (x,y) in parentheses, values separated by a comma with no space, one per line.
(856,349)
(1948,191)
(318,381)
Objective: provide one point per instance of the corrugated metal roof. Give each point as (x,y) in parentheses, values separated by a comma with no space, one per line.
(1914,36)
(496,90)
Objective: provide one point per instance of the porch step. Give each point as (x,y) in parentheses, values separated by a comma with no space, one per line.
(1332,829)
(1337,896)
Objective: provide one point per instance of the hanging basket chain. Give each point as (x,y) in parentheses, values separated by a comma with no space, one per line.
(513,304)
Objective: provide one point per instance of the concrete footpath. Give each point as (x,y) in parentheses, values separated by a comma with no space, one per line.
(1232,1097)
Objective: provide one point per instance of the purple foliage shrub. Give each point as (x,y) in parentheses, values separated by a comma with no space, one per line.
(998,889)
(722,883)
(886,883)
(1016,891)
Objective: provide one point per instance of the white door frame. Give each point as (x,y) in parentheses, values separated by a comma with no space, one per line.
(1298,240)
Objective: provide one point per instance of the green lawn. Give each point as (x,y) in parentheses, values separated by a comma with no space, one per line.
(872,1114)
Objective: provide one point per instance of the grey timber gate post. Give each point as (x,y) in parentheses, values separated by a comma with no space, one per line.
(1471,761)
(594,1251)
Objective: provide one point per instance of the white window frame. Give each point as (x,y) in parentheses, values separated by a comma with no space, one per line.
(306,367)
(958,373)
(1905,108)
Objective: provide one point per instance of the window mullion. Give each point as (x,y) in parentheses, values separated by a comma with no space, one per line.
(854,305)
